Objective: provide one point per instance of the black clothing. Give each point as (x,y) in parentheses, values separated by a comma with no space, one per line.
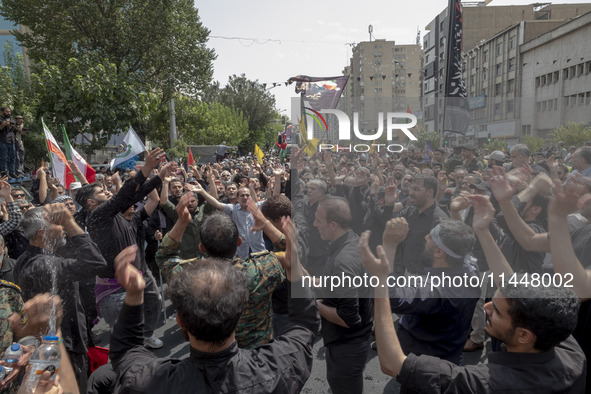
(280,366)
(409,254)
(17,243)
(435,319)
(353,304)
(518,258)
(560,370)
(108,227)
(7,269)
(77,261)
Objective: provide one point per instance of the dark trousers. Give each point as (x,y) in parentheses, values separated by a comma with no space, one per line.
(344,367)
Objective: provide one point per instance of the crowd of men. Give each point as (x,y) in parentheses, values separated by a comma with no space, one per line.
(249,253)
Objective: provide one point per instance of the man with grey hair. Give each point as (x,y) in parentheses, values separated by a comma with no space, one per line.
(519,155)
(47,257)
(581,161)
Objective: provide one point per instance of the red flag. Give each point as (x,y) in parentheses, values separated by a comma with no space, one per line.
(408,109)
(190,161)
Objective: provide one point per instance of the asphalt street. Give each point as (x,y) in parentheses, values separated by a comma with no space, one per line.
(175,346)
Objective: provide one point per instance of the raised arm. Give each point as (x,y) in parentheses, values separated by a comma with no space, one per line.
(483,215)
(208,197)
(524,234)
(152,202)
(390,352)
(77,173)
(14,212)
(567,200)
(42,185)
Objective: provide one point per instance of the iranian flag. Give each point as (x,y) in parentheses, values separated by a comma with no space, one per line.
(82,165)
(59,164)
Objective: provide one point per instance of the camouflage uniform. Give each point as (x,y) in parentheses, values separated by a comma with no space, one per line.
(264,273)
(474,165)
(10,302)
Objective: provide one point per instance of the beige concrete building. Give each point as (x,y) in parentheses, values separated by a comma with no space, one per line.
(492,72)
(383,77)
(480,23)
(556,78)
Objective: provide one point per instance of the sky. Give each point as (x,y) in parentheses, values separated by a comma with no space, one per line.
(281,39)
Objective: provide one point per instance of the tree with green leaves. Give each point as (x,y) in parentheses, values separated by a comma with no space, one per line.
(533,143)
(161,42)
(200,123)
(256,104)
(573,134)
(423,136)
(92,97)
(496,144)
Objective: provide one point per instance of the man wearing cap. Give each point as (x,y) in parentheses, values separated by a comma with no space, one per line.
(470,161)
(496,158)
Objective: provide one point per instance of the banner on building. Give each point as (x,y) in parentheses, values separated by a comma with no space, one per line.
(456,114)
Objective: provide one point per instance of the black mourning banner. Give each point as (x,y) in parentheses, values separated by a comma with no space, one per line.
(456,115)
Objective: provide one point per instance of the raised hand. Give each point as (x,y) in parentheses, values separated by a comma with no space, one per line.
(153,159)
(376,266)
(460,202)
(182,207)
(484,212)
(395,232)
(500,185)
(259,219)
(127,275)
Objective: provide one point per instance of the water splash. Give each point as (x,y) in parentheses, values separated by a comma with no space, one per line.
(51,244)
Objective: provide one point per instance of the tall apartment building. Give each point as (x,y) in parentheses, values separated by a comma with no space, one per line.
(383,77)
(480,22)
(556,78)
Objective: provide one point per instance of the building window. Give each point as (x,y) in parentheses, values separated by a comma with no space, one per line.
(543,80)
(472,79)
(484,56)
(484,73)
(510,85)
(573,71)
(512,42)
(497,109)
(511,65)
(499,49)
(556,76)
(510,106)
(498,88)
(565,73)
(499,69)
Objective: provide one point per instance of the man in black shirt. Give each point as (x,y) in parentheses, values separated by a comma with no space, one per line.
(345,310)
(422,216)
(112,233)
(209,298)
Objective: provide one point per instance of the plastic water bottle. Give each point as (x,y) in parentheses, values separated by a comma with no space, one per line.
(12,354)
(46,357)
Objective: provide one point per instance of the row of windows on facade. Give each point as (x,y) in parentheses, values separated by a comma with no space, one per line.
(571,72)
(573,100)
(481,112)
(512,43)
(511,63)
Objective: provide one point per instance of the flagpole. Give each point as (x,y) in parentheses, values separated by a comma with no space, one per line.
(47,145)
